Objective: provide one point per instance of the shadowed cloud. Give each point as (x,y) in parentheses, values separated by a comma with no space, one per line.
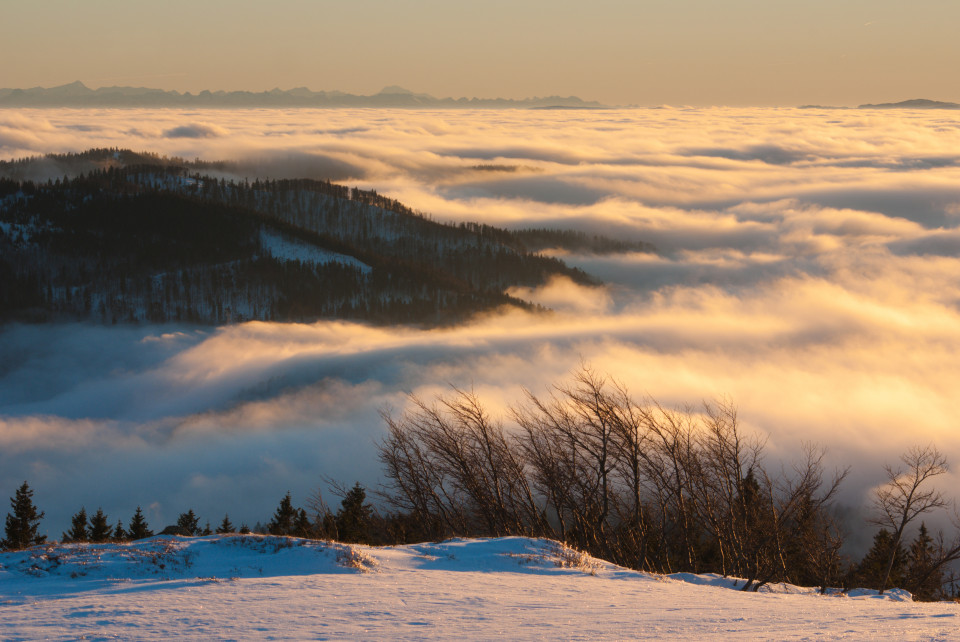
(193,131)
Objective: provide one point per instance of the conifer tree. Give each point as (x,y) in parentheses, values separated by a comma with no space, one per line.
(99,527)
(189,522)
(206,530)
(78,527)
(244,529)
(870,571)
(353,518)
(119,535)
(138,528)
(924,574)
(225,526)
(23,523)
(283,519)
(302,526)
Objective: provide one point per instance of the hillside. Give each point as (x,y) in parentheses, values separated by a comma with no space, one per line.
(258,587)
(133,237)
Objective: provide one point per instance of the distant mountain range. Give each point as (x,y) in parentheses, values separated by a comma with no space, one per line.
(914,103)
(76,94)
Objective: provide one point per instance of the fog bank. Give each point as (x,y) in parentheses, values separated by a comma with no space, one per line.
(806,269)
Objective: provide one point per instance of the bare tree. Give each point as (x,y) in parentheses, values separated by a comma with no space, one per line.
(904,496)
(416,484)
(451,460)
(724,483)
(671,462)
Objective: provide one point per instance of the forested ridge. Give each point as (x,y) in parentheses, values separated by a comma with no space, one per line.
(126,237)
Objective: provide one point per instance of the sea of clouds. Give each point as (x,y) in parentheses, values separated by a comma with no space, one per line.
(806,269)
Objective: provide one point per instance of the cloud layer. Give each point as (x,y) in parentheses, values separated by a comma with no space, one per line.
(806,269)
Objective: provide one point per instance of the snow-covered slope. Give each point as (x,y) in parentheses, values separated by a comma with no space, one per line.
(260,587)
(286,248)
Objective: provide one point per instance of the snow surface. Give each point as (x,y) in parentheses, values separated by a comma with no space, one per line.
(263,587)
(286,248)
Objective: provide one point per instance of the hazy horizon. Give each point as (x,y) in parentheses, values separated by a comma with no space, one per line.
(398,90)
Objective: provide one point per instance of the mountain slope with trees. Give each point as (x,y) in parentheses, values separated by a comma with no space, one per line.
(127,237)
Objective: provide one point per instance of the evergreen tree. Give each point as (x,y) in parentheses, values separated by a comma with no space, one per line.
(138,526)
(78,527)
(206,530)
(302,526)
(871,569)
(189,522)
(284,518)
(923,574)
(328,526)
(119,534)
(244,529)
(353,518)
(23,523)
(99,527)
(225,526)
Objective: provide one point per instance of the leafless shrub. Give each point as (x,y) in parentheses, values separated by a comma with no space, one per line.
(353,557)
(568,557)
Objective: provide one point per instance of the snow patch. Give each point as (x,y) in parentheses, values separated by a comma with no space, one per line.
(285,248)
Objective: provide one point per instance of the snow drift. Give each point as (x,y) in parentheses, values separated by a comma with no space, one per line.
(253,586)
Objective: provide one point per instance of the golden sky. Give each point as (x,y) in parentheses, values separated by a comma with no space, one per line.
(622,52)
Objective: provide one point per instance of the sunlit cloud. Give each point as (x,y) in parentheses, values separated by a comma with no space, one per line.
(805,268)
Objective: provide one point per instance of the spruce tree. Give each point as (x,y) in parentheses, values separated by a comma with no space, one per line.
(138,528)
(225,526)
(99,527)
(23,523)
(302,526)
(924,574)
(119,535)
(871,569)
(78,527)
(283,518)
(189,522)
(353,518)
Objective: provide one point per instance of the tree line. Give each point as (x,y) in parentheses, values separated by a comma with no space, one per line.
(355,521)
(641,485)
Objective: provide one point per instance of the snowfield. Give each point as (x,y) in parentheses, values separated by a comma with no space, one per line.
(264,587)
(286,248)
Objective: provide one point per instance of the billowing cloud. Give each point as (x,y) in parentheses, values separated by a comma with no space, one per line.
(805,268)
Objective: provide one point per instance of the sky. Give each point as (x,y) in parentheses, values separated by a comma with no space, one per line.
(619,52)
(805,270)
